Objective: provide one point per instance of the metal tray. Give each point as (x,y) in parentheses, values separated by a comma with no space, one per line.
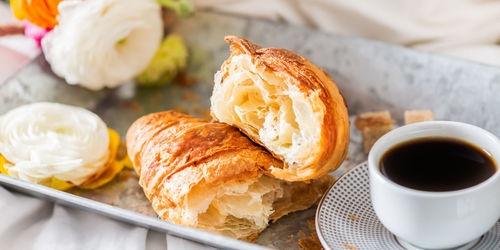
(371,75)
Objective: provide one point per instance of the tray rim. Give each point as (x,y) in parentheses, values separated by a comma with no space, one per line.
(124,215)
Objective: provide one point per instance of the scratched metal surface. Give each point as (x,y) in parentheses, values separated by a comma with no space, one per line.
(371,75)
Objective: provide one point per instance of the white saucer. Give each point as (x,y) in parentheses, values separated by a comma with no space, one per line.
(345,218)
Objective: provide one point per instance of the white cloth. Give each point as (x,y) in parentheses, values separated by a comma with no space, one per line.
(461,28)
(34,224)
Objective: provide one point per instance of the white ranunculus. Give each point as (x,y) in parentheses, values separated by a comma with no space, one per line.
(102,43)
(45,140)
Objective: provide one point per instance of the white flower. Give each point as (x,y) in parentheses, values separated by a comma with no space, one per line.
(102,43)
(45,140)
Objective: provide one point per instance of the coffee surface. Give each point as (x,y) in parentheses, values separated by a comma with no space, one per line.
(437,164)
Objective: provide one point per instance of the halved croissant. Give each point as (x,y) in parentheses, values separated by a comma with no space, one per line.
(211,176)
(286,104)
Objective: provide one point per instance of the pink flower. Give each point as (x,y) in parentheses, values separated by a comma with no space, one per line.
(35,32)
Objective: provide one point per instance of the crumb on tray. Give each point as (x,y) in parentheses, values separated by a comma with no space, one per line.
(347,164)
(311,224)
(310,243)
(156,98)
(184,80)
(190,96)
(135,105)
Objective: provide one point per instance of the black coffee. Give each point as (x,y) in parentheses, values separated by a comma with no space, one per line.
(437,164)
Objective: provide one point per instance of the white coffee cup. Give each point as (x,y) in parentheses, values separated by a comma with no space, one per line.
(435,220)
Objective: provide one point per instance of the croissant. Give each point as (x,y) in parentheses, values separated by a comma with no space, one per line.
(286,104)
(211,176)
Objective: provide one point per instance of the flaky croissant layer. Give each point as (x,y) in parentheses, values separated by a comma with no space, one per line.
(286,104)
(211,176)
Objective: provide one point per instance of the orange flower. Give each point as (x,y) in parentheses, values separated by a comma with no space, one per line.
(41,13)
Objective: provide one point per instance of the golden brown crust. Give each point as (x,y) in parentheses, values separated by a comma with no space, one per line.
(173,152)
(326,101)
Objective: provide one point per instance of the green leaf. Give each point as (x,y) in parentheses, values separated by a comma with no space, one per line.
(181,7)
(169,60)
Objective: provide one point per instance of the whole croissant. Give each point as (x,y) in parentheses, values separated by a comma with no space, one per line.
(211,176)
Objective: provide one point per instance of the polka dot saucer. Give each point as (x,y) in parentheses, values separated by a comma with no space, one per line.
(345,218)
